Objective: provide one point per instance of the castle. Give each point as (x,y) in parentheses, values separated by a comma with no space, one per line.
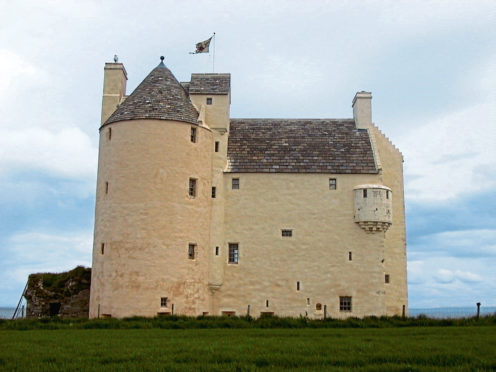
(198,213)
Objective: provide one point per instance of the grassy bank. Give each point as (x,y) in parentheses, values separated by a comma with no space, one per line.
(183,322)
(368,349)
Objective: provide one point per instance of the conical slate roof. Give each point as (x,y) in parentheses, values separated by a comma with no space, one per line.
(159,96)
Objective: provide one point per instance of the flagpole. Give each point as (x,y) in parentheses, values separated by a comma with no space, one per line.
(213,59)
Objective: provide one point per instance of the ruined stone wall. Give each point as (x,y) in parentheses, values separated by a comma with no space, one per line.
(65,294)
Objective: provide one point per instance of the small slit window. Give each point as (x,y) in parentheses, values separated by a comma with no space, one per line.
(102,248)
(235,183)
(344,303)
(387,194)
(216,146)
(216,251)
(332,184)
(350,256)
(106,187)
(209,100)
(109,134)
(287,233)
(308,300)
(193,134)
(191,251)
(192,187)
(266,303)
(386,278)
(297,286)
(364,193)
(163,301)
(213,192)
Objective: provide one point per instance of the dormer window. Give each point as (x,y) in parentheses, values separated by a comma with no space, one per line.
(209,100)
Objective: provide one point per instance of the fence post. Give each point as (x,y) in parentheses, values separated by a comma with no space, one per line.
(478,310)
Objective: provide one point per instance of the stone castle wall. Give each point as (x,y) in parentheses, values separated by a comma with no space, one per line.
(65,294)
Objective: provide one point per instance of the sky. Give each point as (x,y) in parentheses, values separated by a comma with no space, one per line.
(430,65)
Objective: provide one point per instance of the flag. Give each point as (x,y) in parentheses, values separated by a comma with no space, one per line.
(202,46)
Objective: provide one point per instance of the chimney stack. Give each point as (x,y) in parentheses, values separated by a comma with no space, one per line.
(114,88)
(362,109)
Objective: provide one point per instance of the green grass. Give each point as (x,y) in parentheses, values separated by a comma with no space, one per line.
(453,348)
(184,322)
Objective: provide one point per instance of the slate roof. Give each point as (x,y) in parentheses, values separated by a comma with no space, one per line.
(210,84)
(159,96)
(299,146)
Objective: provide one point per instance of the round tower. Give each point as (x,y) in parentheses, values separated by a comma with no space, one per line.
(373,207)
(152,215)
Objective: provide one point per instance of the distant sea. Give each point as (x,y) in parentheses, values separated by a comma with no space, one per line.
(6,312)
(452,312)
(437,312)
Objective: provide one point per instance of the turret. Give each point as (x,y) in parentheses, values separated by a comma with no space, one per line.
(153,204)
(373,207)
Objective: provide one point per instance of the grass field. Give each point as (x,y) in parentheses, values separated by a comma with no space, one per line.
(455,348)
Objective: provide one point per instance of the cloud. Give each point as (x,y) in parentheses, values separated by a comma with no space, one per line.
(66,153)
(479,243)
(37,251)
(17,72)
(451,156)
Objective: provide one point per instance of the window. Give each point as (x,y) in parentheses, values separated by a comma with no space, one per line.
(364,193)
(345,303)
(308,300)
(386,278)
(387,194)
(216,146)
(209,100)
(216,251)
(318,307)
(191,251)
(266,303)
(163,301)
(235,183)
(213,192)
(233,253)
(297,286)
(332,184)
(192,187)
(193,134)
(106,187)
(102,248)
(287,233)
(109,134)
(350,256)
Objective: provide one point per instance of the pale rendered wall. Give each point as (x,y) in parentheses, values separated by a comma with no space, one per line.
(217,117)
(395,242)
(147,219)
(324,232)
